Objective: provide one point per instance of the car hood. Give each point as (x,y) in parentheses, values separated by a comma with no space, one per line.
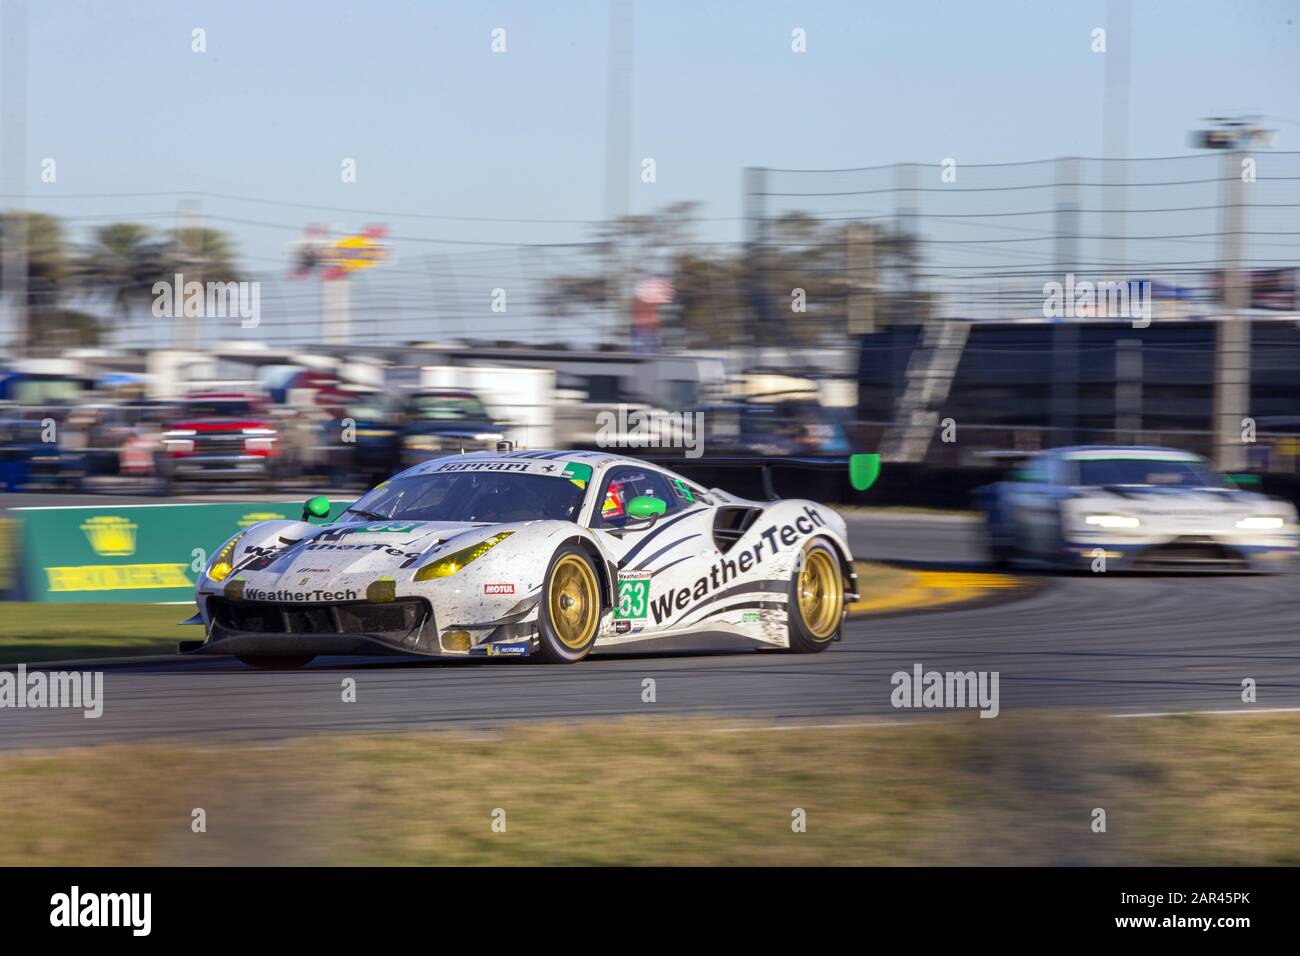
(345,554)
(1153,499)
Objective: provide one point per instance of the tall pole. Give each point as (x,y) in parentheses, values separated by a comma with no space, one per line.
(618,151)
(755,199)
(907,238)
(1232,346)
(1114,134)
(338,309)
(1232,341)
(13,159)
(1065,333)
(189,260)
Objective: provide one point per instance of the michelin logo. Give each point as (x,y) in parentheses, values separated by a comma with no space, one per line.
(507,650)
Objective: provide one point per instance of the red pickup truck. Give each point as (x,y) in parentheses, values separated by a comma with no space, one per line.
(220,437)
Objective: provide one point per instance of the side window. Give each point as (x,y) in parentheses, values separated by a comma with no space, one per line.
(1035,470)
(1061,472)
(628,482)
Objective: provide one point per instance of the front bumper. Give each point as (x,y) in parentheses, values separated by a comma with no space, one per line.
(1182,553)
(217,466)
(404,626)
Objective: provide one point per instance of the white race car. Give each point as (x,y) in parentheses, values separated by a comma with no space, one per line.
(1134,508)
(540,553)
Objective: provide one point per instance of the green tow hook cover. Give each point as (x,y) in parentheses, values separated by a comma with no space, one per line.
(317,507)
(864,470)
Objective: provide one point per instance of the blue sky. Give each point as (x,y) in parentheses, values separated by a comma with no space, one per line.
(442,126)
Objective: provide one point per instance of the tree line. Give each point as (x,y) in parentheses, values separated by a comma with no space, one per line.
(74,289)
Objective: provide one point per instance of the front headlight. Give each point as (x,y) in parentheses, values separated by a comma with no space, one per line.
(1112,521)
(1262,523)
(446,567)
(221,567)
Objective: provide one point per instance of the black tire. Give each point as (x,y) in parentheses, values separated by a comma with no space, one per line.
(812,637)
(284,662)
(1000,554)
(555,639)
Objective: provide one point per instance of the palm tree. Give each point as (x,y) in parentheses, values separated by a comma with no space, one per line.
(41,240)
(121,264)
(125,260)
(200,255)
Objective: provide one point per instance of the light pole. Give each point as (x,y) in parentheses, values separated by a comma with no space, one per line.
(1232,347)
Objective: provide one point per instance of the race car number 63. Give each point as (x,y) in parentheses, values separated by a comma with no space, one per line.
(632,599)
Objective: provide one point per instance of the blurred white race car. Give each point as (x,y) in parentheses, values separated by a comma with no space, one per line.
(1133,508)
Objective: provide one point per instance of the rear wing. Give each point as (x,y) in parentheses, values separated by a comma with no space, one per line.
(863,469)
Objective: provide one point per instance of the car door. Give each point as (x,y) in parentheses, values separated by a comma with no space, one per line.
(1025,500)
(1039,510)
(655,560)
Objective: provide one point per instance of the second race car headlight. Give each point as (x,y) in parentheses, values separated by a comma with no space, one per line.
(1262,523)
(446,567)
(221,567)
(1112,521)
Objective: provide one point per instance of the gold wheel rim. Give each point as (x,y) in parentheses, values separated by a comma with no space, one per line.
(573,602)
(821,594)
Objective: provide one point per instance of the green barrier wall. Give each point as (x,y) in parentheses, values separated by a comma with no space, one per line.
(129,553)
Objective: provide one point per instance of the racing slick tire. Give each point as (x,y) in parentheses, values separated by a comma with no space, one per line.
(568,617)
(285,662)
(816,612)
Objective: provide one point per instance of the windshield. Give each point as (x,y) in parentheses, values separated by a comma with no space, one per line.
(448,408)
(1188,473)
(479,496)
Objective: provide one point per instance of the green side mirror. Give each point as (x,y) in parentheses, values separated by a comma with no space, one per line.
(1244,481)
(317,507)
(863,471)
(645,506)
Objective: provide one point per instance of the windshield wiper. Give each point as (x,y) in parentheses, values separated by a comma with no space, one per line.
(367,514)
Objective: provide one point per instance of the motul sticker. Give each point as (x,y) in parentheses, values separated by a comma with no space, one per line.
(498,589)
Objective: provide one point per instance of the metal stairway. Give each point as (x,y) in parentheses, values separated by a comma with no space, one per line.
(930,372)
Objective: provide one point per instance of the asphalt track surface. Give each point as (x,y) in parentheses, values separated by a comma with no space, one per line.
(1108,643)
